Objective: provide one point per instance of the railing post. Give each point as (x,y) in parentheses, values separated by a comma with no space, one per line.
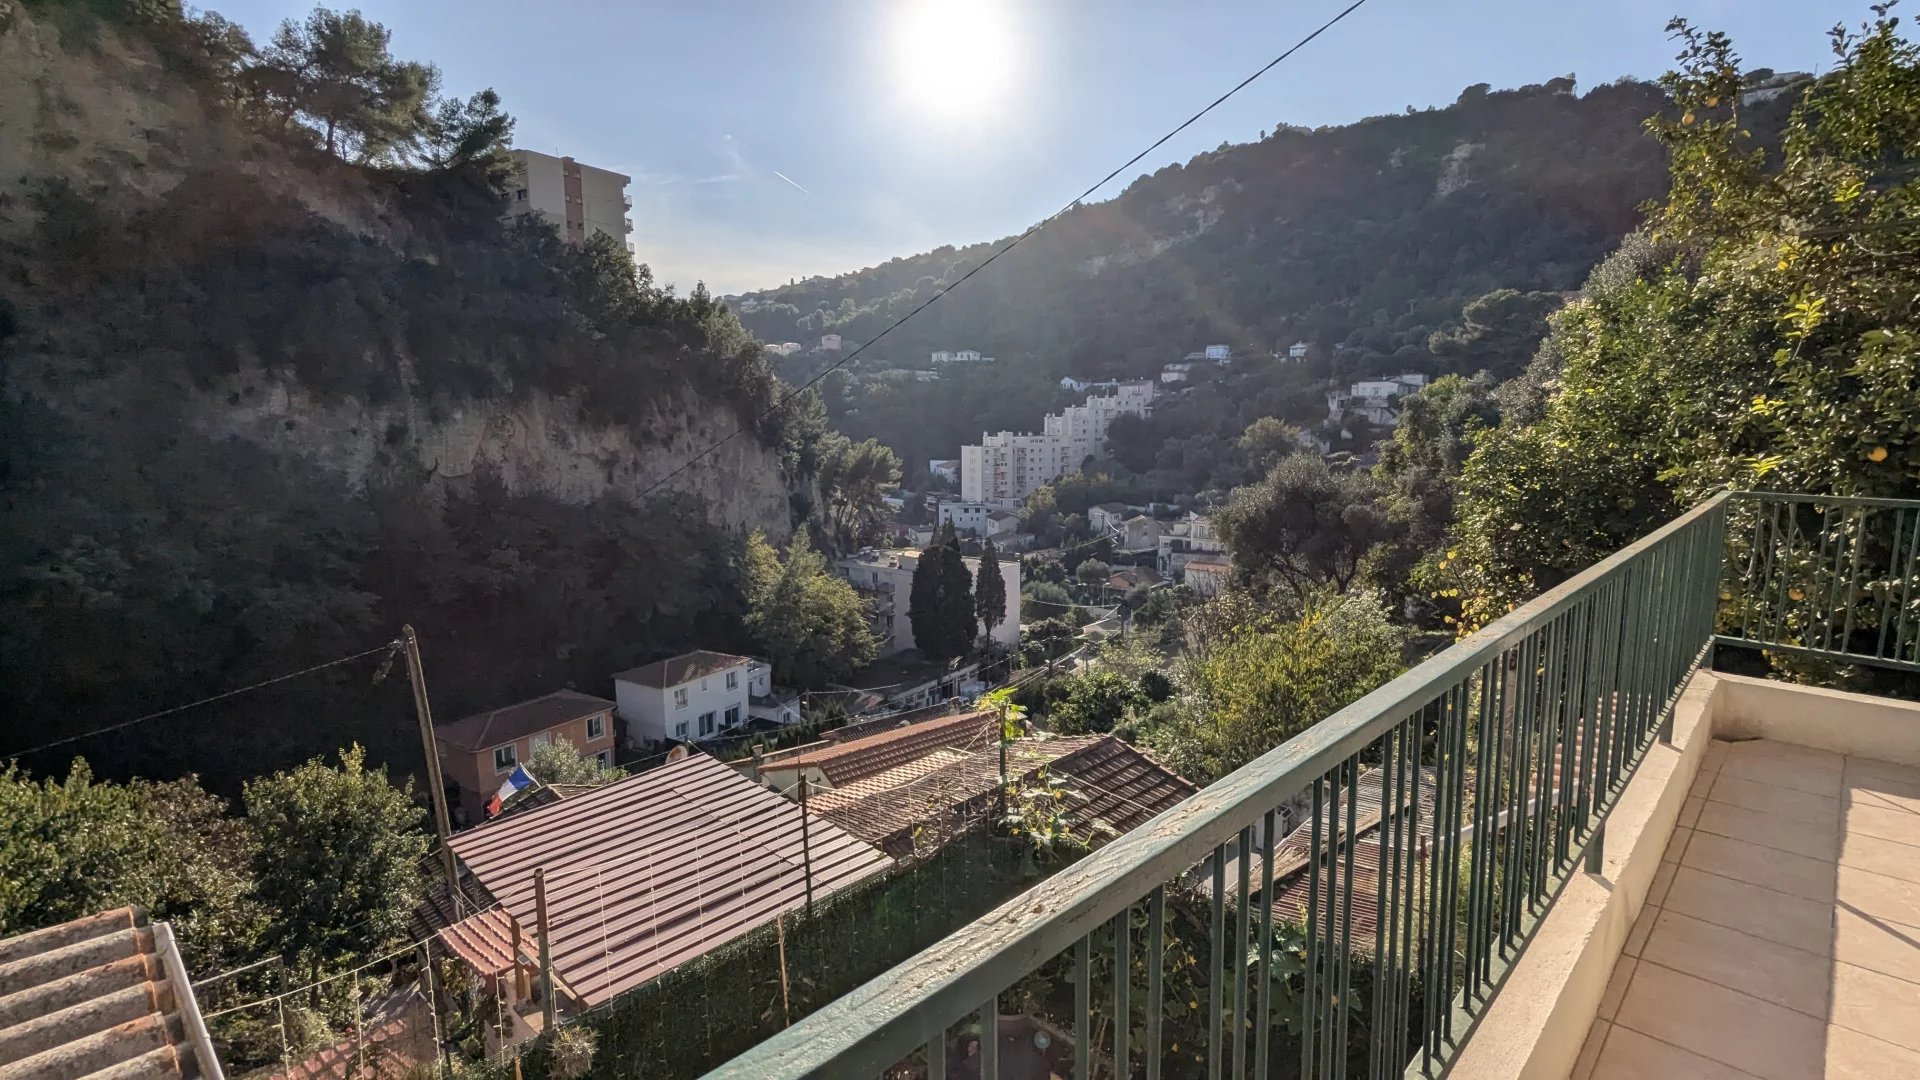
(1597,849)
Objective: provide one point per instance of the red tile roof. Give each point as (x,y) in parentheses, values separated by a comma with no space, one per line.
(484,941)
(504,725)
(855,759)
(1110,783)
(652,871)
(684,668)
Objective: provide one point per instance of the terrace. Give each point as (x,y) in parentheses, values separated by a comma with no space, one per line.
(1565,846)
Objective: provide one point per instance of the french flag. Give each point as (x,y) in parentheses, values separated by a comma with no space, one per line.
(518,780)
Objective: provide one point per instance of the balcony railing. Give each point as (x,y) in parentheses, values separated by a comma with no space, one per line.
(1438,818)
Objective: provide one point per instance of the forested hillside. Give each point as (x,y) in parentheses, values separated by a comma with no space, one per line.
(279,378)
(1373,235)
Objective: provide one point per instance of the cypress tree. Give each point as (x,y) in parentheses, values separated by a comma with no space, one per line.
(990,591)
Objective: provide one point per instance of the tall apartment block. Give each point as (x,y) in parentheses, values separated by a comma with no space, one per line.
(579,199)
(1005,468)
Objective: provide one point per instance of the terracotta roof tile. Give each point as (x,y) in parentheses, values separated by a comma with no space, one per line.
(854,759)
(504,725)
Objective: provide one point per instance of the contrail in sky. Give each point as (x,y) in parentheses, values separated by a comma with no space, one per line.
(789,180)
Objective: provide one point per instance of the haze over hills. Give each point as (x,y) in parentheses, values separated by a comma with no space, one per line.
(1373,234)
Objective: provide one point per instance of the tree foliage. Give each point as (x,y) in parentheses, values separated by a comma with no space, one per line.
(1306,525)
(1264,682)
(809,622)
(1773,346)
(336,854)
(853,477)
(558,761)
(990,590)
(940,603)
(335,73)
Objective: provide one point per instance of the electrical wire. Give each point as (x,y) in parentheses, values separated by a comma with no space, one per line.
(387,648)
(788,397)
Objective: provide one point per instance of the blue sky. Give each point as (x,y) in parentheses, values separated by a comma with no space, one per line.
(903,127)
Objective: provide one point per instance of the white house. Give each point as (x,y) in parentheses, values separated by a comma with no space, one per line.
(1140,533)
(1297,350)
(829,342)
(1001,523)
(1219,354)
(1374,398)
(687,698)
(1081,386)
(947,469)
(885,578)
(959,356)
(1176,373)
(966,517)
(1187,541)
(1106,517)
(785,348)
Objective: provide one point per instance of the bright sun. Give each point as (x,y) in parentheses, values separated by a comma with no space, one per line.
(953,59)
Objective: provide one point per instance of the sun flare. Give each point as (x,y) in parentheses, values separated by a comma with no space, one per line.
(953,59)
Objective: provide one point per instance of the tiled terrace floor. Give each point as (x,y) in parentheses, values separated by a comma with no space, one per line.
(1781,939)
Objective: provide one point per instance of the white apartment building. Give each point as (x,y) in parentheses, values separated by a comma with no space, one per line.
(966,517)
(1005,468)
(579,200)
(1297,350)
(1187,541)
(689,698)
(885,579)
(959,356)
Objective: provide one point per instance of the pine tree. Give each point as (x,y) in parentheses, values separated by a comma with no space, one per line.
(990,591)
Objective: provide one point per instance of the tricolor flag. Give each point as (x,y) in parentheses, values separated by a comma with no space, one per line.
(518,780)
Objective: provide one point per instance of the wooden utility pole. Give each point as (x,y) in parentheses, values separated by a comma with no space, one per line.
(436,788)
(546,948)
(806,842)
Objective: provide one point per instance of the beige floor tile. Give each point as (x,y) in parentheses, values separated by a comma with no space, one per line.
(1877,944)
(1677,846)
(1878,1005)
(1879,895)
(1875,773)
(1887,857)
(1781,802)
(1723,1025)
(1662,881)
(1883,794)
(1690,812)
(1716,754)
(1765,969)
(1853,1056)
(1777,870)
(1815,840)
(1616,987)
(1702,784)
(1784,771)
(1590,1051)
(1789,920)
(1884,822)
(1629,1055)
(1806,757)
(1642,926)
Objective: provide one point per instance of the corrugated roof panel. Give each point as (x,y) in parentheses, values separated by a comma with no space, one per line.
(652,871)
(856,759)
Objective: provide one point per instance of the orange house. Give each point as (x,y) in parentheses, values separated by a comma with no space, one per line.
(477,753)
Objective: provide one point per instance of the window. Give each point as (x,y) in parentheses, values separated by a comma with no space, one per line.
(680,730)
(520,195)
(706,724)
(604,758)
(505,757)
(680,697)
(733,715)
(596,726)
(703,686)
(733,680)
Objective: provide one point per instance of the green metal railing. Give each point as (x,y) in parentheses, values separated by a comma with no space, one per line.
(1437,819)
(1824,577)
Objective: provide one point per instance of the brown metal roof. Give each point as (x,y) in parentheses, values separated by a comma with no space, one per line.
(107,992)
(855,759)
(652,871)
(1109,783)
(686,667)
(504,725)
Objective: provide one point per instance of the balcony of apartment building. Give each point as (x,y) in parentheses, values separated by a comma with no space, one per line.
(1574,843)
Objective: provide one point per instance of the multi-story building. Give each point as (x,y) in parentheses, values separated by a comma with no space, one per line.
(1186,541)
(1005,468)
(885,578)
(1374,399)
(579,200)
(959,356)
(696,696)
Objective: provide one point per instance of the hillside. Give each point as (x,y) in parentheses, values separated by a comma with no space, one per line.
(1371,234)
(261,406)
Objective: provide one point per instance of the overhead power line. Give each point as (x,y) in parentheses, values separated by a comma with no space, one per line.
(788,397)
(388,647)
